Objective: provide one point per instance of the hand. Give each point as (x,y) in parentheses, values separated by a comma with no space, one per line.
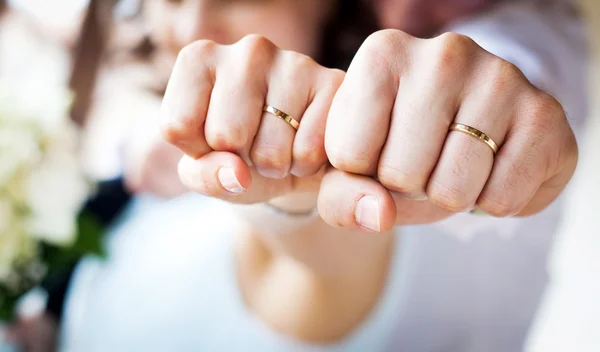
(213,112)
(395,162)
(151,163)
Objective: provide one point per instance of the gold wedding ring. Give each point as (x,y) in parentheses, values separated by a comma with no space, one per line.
(475,133)
(282,115)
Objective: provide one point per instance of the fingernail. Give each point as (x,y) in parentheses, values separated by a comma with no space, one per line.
(229,181)
(367,213)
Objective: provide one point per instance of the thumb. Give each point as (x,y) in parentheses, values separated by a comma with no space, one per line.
(356,202)
(226,176)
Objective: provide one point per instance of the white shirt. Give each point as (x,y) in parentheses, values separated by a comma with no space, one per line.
(164,288)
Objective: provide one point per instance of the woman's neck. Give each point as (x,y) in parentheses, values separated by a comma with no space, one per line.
(317,285)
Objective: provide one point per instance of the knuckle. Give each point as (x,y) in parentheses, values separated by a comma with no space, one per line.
(381,49)
(257,45)
(300,62)
(545,114)
(309,155)
(502,76)
(497,207)
(550,133)
(335,77)
(543,105)
(569,154)
(178,133)
(296,67)
(170,134)
(348,160)
(331,80)
(270,157)
(448,57)
(527,172)
(192,53)
(399,180)
(454,43)
(452,49)
(384,41)
(251,52)
(450,198)
(229,139)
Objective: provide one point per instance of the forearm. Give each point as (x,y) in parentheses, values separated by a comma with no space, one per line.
(288,261)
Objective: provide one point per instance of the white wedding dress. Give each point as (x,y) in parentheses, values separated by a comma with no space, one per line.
(169,285)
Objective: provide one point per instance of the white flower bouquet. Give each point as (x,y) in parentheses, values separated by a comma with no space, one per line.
(42,189)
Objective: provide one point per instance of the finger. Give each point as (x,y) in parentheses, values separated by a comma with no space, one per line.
(536,161)
(290,89)
(427,102)
(236,103)
(466,161)
(308,153)
(417,212)
(226,176)
(355,202)
(186,99)
(360,114)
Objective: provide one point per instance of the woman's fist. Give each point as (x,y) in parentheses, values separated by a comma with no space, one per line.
(213,112)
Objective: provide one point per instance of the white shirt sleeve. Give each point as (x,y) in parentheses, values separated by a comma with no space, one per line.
(547,42)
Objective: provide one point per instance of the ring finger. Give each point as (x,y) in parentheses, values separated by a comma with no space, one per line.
(466,162)
(289,92)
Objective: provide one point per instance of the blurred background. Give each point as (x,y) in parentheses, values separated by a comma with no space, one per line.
(76,44)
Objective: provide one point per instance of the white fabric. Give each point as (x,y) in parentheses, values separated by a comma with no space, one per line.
(569,319)
(167,288)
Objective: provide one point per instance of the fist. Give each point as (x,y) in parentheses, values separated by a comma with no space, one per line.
(394,159)
(213,112)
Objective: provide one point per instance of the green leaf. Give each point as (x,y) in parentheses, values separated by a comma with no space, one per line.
(88,242)
(90,232)
(7,306)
